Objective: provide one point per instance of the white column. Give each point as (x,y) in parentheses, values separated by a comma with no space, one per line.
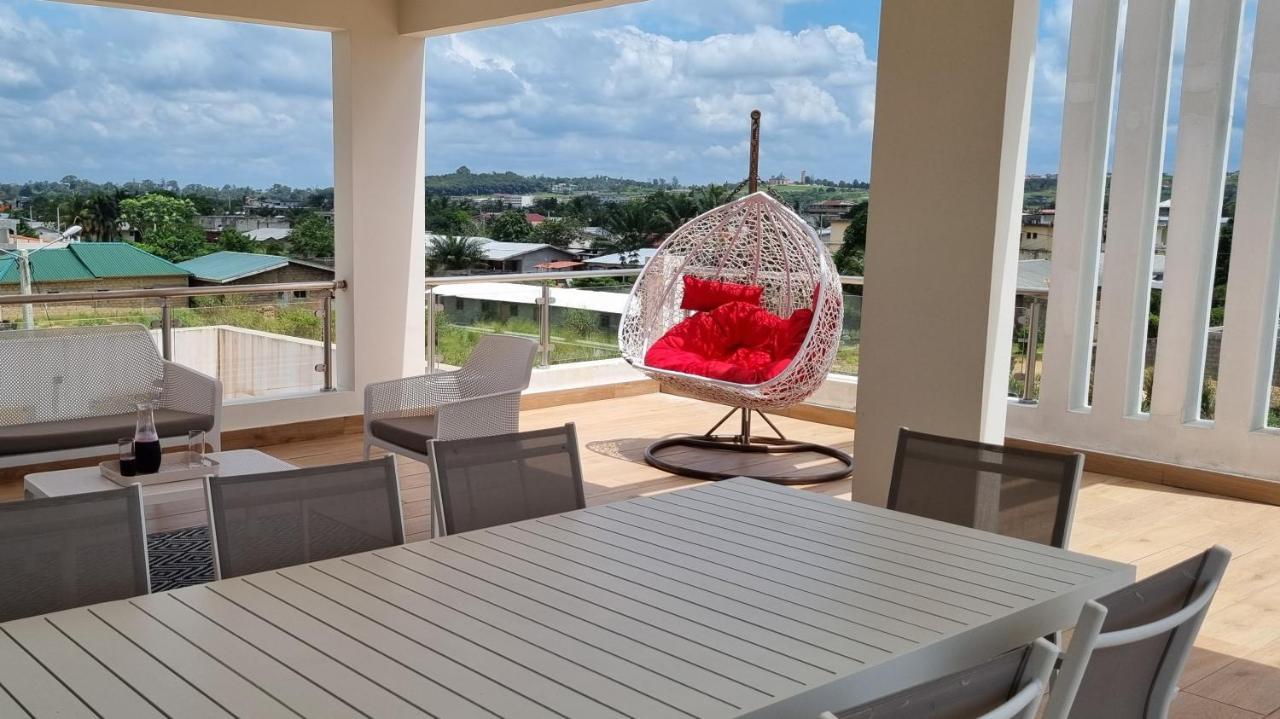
(1204,129)
(1082,179)
(1135,194)
(1253,294)
(378,136)
(952,100)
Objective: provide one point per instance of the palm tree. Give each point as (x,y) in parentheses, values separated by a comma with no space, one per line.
(98,213)
(675,210)
(633,226)
(712,196)
(455,253)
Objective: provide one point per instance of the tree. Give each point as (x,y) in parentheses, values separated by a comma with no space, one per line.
(446,217)
(166,225)
(454,253)
(557,233)
(154,215)
(633,226)
(312,236)
(510,226)
(853,246)
(233,240)
(675,209)
(98,213)
(25,229)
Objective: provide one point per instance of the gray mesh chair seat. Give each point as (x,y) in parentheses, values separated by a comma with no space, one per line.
(65,552)
(480,398)
(1129,647)
(412,432)
(1009,491)
(100,430)
(279,519)
(488,481)
(1007,687)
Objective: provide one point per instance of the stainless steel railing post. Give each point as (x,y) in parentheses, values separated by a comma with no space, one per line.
(166,330)
(544,326)
(1033,346)
(431,329)
(326,336)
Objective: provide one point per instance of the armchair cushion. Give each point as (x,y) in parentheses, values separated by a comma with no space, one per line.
(92,431)
(408,432)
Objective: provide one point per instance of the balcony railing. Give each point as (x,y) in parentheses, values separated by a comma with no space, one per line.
(591,333)
(201,314)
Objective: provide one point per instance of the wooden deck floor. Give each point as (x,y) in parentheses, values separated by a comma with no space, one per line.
(1235,671)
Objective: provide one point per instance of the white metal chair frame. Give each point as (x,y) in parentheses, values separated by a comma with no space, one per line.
(1088,636)
(480,398)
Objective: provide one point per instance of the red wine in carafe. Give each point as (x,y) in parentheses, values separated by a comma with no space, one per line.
(146,456)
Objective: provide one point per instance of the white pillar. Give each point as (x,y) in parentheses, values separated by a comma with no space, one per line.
(378,136)
(952,102)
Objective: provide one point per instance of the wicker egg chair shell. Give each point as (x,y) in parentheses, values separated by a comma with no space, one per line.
(754,240)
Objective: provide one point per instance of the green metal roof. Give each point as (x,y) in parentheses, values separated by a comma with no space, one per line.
(119,259)
(89,261)
(223,267)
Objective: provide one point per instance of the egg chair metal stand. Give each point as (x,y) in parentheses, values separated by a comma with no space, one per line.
(758,241)
(745,441)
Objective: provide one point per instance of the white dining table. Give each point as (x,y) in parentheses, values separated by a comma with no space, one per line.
(733,599)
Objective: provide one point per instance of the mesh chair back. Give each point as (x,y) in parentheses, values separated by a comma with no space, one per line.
(1012,682)
(1125,661)
(506,478)
(499,363)
(279,519)
(1009,491)
(70,372)
(66,552)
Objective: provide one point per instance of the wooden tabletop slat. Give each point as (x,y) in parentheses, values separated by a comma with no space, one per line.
(738,599)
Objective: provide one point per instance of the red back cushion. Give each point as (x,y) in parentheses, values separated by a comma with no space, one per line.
(705,295)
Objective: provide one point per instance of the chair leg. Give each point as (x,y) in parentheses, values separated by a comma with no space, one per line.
(367,448)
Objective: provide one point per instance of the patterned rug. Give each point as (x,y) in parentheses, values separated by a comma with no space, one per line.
(180,558)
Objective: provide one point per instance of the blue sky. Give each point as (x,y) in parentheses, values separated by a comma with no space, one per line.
(116,95)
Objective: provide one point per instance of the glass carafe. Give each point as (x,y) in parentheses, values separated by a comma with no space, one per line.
(146,441)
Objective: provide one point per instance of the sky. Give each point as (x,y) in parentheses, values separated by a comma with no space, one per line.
(658,89)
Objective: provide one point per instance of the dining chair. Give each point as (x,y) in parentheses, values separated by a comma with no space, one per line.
(63,552)
(279,519)
(1010,491)
(1007,687)
(1129,647)
(487,481)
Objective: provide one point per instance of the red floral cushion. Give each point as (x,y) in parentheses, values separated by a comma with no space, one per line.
(705,295)
(737,342)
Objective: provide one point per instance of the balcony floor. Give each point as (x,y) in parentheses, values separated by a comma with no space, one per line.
(1235,671)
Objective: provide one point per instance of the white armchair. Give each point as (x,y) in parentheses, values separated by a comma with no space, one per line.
(479,399)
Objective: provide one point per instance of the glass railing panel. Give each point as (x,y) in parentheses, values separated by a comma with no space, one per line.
(466,312)
(584,323)
(850,336)
(1026,358)
(259,344)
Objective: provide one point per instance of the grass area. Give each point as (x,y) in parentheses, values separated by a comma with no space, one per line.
(293,320)
(574,338)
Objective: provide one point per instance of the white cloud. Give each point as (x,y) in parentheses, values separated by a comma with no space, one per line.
(582,98)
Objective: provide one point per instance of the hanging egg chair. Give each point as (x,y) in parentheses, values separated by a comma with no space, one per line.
(741,306)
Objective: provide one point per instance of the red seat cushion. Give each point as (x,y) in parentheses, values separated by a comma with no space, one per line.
(736,342)
(706,295)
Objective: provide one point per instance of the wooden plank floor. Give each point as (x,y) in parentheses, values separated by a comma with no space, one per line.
(1235,671)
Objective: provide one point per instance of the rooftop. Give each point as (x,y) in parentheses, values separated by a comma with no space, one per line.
(86,261)
(222,267)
